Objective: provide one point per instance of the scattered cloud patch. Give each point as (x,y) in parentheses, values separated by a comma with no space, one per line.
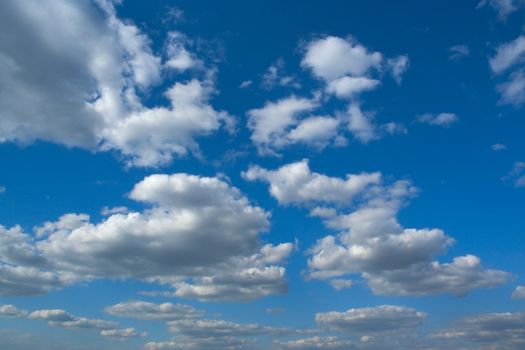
(457,52)
(441,119)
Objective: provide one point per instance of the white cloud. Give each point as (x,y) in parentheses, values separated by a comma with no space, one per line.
(271,124)
(340,284)
(332,57)
(458,52)
(80,79)
(498,147)
(398,67)
(179,57)
(371,242)
(276,75)
(441,119)
(371,319)
(161,244)
(295,183)
(106,211)
(513,90)
(63,319)
(460,276)
(508,55)
(11,311)
(347,87)
(517,175)
(149,311)
(503,7)
(317,342)
(361,124)
(122,333)
(519,293)
(317,130)
(2,189)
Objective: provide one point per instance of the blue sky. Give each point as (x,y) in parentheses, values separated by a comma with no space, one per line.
(262,175)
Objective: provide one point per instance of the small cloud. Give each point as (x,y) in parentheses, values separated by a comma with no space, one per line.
(107,211)
(458,52)
(340,284)
(441,119)
(519,293)
(516,175)
(398,66)
(498,147)
(275,310)
(246,84)
(2,189)
(393,128)
(276,75)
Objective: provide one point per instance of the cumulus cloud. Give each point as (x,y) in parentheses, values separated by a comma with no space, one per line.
(371,242)
(441,119)
(81,80)
(295,183)
(282,123)
(332,57)
(348,87)
(161,244)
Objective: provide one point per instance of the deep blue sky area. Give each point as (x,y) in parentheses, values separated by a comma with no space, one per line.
(262,174)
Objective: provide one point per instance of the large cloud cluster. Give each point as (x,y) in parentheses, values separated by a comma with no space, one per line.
(371,242)
(162,244)
(73,73)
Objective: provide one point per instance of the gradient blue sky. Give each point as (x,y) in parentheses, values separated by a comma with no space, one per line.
(262,175)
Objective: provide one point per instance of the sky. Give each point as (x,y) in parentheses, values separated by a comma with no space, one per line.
(262,174)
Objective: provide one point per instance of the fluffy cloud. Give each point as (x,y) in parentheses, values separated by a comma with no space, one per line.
(279,124)
(80,79)
(441,119)
(333,57)
(346,69)
(295,183)
(347,87)
(160,244)
(458,277)
(371,242)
